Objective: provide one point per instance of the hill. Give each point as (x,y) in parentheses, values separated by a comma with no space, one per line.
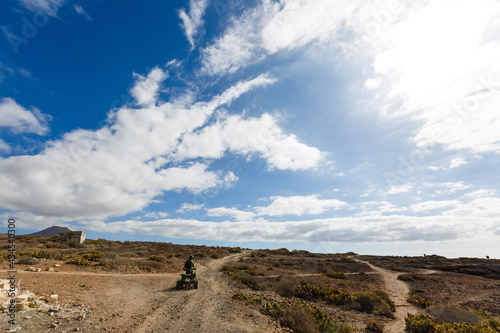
(49,232)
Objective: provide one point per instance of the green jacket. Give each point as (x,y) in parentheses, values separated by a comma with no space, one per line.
(189,263)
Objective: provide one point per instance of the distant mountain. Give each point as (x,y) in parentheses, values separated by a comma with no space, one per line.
(49,232)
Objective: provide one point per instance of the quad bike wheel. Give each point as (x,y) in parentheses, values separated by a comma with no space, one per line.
(179,285)
(195,284)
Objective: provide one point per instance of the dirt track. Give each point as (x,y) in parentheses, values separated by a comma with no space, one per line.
(141,303)
(398,291)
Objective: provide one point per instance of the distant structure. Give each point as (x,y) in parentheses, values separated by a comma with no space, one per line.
(71,235)
(487,257)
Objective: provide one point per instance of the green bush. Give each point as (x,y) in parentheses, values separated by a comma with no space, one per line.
(330,295)
(79,261)
(376,302)
(425,323)
(286,312)
(419,301)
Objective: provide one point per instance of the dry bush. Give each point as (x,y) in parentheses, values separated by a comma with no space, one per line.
(375,302)
(299,319)
(451,314)
(248,280)
(27,261)
(286,286)
(375,326)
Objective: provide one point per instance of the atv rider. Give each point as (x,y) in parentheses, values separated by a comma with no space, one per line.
(189,268)
(189,265)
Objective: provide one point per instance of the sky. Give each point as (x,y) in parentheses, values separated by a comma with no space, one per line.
(323,125)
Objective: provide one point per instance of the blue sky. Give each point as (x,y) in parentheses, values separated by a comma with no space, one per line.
(330,126)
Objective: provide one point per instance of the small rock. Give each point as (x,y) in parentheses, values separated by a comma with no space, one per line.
(53,325)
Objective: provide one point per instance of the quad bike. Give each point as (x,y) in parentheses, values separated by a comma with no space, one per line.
(187,280)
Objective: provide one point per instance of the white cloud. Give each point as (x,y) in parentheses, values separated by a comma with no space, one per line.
(235,213)
(156,215)
(82,12)
(123,166)
(299,205)
(186,207)
(456,162)
(247,136)
(430,205)
(21,120)
(50,7)
(445,75)
(145,91)
(4,147)
(400,189)
(194,20)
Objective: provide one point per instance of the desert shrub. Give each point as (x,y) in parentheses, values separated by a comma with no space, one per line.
(419,301)
(337,275)
(92,256)
(227,268)
(322,322)
(248,280)
(234,250)
(286,286)
(51,245)
(74,244)
(374,302)
(330,295)
(374,326)
(424,323)
(299,319)
(27,260)
(110,255)
(348,260)
(451,314)
(199,255)
(157,258)
(215,256)
(130,254)
(79,261)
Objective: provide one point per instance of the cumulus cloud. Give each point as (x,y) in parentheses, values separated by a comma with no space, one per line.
(21,120)
(246,136)
(192,21)
(145,90)
(120,168)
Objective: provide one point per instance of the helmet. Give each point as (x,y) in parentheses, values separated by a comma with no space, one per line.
(191,257)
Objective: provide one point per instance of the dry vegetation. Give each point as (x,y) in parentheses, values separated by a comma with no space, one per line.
(303,291)
(106,255)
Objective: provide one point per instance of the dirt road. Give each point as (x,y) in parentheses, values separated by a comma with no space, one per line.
(207,309)
(103,302)
(398,291)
